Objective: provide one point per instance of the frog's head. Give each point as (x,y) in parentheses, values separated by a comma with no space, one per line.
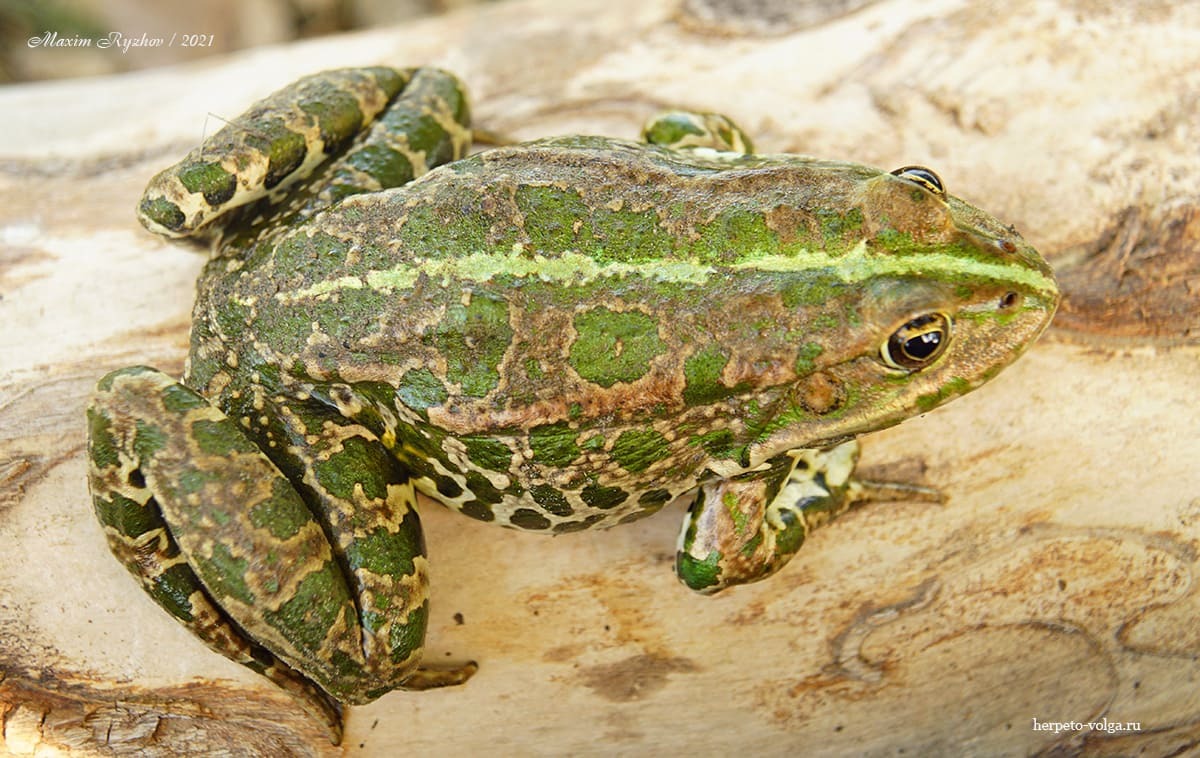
(935,298)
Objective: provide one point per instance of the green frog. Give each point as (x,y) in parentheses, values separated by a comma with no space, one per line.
(564,334)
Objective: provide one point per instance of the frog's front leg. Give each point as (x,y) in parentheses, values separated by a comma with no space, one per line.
(745,528)
(328,576)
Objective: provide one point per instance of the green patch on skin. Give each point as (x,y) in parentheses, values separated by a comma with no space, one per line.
(824,322)
(225,575)
(284,148)
(595,442)
(603,497)
(127,517)
(307,617)
(567,527)
(173,589)
(163,212)
(451,232)
(734,236)
(488,453)
(473,339)
(558,220)
(358,463)
(553,444)
(220,438)
(337,115)
(283,514)
(177,398)
(837,227)
(420,389)
(954,387)
(346,319)
(789,540)
(719,443)
(698,574)
(551,215)
(614,346)
(637,449)
(208,179)
(740,522)
(403,638)
(101,445)
(806,358)
(386,553)
(629,237)
(551,499)
(390,168)
(147,440)
(484,491)
(702,375)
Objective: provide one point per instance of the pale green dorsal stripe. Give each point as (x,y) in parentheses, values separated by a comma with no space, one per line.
(858,265)
(853,266)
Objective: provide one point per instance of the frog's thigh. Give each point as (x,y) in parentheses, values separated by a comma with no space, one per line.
(364,498)
(125,428)
(744,529)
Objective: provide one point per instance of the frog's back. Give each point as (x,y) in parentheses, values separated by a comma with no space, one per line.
(582,281)
(578,273)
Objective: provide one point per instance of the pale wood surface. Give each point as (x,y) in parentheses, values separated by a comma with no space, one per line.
(1059,582)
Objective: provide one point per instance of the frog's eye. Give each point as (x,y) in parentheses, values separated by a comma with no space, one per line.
(923,177)
(917,343)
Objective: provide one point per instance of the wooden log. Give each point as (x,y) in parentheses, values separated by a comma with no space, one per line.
(1058,584)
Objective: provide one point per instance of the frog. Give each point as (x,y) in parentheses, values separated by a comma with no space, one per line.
(557,335)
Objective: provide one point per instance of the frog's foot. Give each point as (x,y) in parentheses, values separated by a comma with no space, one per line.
(226,544)
(385,126)
(679,129)
(744,529)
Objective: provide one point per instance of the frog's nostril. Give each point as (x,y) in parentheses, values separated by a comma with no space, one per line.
(1010,300)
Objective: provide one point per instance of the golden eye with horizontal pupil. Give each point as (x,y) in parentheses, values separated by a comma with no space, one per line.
(922,176)
(917,343)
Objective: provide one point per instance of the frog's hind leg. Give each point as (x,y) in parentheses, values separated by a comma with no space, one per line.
(225,542)
(306,147)
(364,499)
(746,528)
(124,501)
